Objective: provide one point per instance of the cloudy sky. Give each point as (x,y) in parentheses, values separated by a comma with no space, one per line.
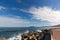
(24,13)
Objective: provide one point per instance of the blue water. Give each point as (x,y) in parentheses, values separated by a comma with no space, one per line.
(8,32)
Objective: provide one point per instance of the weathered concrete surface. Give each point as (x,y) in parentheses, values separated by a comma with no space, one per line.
(55,34)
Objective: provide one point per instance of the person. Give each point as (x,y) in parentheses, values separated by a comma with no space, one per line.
(47,35)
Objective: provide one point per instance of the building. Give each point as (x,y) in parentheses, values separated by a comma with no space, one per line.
(55,34)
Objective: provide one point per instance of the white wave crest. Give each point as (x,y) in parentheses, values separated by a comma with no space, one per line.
(39,30)
(15,37)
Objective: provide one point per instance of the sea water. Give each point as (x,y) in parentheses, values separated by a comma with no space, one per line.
(10,33)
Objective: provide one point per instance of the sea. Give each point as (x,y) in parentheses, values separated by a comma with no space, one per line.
(12,32)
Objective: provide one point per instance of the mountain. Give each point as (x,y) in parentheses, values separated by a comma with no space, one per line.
(56,25)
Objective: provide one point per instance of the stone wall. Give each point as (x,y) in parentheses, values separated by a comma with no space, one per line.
(34,35)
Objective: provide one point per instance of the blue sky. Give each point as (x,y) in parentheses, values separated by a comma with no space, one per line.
(25,13)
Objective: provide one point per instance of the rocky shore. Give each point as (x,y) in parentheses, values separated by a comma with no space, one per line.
(36,35)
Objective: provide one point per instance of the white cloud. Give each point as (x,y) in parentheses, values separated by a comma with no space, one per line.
(2,7)
(16,21)
(45,13)
(12,22)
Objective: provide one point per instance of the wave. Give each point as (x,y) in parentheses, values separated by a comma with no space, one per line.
(15,37)
(38,30)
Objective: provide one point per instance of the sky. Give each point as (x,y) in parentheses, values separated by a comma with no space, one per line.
(25,13)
